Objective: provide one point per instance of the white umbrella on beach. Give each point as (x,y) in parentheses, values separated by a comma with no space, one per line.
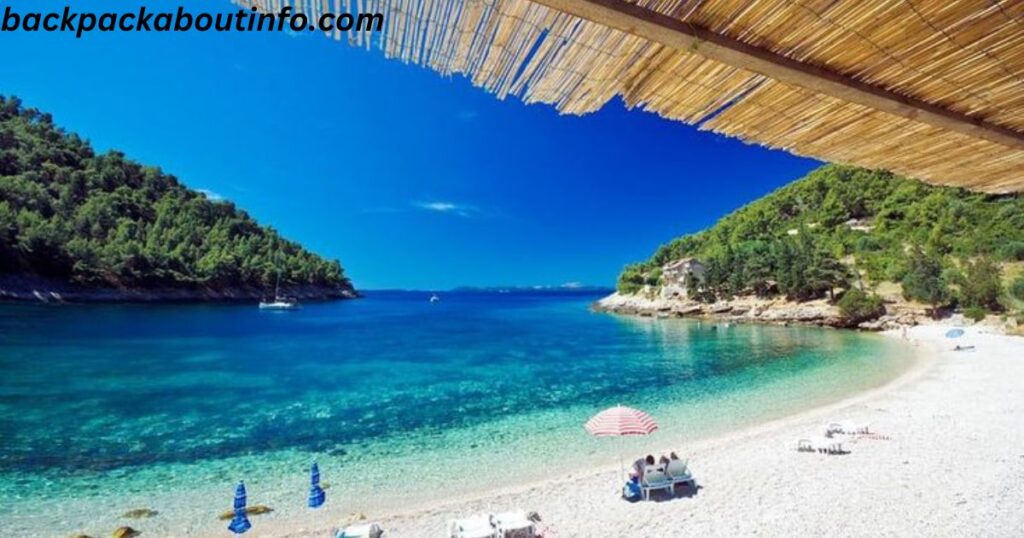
(621,421)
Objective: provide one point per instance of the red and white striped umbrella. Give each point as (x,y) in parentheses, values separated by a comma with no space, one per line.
(620,421)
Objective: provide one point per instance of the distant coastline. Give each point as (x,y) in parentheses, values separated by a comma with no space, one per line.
(32,289)
(564,288)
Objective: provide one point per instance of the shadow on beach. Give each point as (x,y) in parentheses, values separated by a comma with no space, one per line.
(687,491)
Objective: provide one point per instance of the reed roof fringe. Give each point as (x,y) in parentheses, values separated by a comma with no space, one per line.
(965,57)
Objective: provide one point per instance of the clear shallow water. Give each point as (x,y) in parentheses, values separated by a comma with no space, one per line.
(108,408)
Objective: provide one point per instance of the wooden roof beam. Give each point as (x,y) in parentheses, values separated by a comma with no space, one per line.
(674,33)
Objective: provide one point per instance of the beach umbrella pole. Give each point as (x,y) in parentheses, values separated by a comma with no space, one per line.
(622,462)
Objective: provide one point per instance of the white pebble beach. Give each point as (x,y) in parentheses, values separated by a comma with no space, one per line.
(947,460)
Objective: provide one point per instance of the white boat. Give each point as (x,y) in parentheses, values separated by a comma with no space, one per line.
(279,302)
(434,299)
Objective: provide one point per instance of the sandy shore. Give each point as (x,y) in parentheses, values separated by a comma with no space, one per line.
(953,466)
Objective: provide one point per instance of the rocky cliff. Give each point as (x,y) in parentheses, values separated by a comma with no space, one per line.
(751,309)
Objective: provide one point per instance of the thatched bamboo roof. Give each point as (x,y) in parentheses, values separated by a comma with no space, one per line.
(932,89)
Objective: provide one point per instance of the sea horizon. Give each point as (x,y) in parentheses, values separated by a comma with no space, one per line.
(538,288)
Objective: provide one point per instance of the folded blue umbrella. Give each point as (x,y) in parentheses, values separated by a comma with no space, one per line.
(240,523)
(316,493)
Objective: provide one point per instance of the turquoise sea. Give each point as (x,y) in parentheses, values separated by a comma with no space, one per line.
(107,408)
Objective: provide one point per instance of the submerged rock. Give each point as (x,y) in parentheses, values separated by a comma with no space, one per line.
(140,513)
(353,518)
(125,532)
(258,509)
(720,308)
(253,510)
(687,309)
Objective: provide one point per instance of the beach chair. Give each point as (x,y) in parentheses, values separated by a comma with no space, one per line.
(478,526)
(369,530)
(515,524)
(860,427)
(846,427)
(679,473)
(827,445)
(654,478)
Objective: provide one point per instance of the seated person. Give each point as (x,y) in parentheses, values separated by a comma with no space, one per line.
(665,459)
(636,469)
(638,466)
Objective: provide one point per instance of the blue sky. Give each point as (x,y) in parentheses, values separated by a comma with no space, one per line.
(411,179)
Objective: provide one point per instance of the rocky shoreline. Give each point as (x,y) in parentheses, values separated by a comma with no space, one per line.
(777,311)
(27,289)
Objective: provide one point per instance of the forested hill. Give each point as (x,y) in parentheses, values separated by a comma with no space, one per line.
(843,227)
(70,216)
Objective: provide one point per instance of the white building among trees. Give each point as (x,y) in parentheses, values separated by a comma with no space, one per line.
(676,275)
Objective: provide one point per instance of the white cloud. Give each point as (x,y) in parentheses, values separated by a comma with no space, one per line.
(210,195)
(447,207)
(438,206)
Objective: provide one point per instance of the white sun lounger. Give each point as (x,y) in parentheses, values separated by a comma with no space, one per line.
(654,478)
(515,524)
(846,427)
(825,445)
(369,530)
(478,526)
(831,446)
(678,472)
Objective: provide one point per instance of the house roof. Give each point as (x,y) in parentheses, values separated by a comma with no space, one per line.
(675,264)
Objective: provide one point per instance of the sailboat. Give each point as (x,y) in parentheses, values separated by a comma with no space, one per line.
(434,299)
(279,302)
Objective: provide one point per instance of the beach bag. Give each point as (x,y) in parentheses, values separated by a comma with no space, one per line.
(631,491)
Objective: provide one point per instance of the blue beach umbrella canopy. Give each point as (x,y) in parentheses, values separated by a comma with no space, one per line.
(954,333)
(240,523)
(317,496)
